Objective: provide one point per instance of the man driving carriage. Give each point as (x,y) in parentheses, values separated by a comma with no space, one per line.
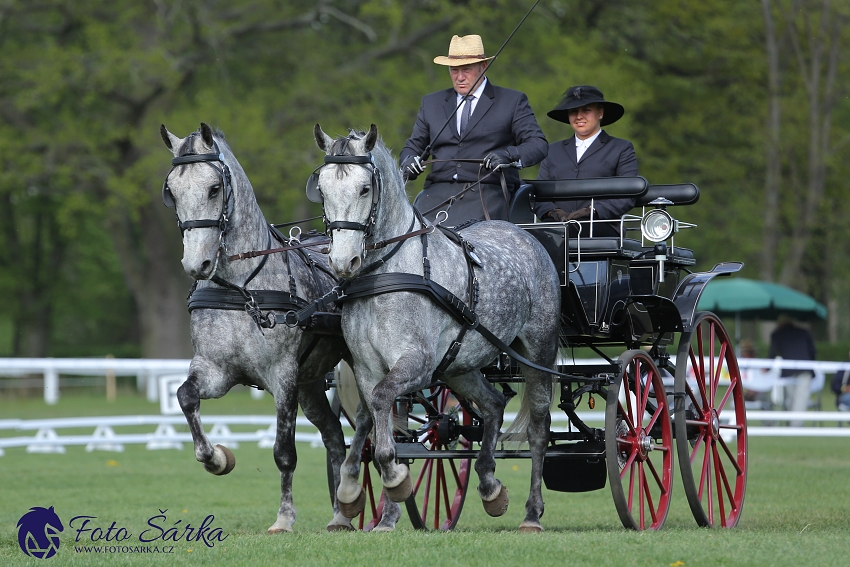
(493,123)
(591,152)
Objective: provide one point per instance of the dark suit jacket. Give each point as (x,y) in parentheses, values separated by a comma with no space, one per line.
(502,119)
(791,343)
(607,156)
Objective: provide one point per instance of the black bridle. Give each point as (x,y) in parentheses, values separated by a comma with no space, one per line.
(224,179)
(314,192)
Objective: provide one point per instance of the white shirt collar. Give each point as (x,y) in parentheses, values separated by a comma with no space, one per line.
(586,143)
(582,145)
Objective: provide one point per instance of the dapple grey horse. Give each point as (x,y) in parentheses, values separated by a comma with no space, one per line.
(230,347)
(397,340)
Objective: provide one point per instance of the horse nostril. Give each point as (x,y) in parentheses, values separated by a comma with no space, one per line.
(354,265)
(206,267)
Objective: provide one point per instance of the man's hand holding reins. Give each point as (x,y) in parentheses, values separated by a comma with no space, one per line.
(412,167)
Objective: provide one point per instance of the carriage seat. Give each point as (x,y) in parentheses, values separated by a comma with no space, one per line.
(521,210)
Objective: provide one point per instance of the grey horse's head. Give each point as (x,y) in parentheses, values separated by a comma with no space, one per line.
(349,195)
(198,192)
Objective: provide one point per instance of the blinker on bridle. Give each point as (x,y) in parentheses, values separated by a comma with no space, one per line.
(314,194)
(223,177)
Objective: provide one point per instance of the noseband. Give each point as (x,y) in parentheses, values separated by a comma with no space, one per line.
(314,192)
(224,178)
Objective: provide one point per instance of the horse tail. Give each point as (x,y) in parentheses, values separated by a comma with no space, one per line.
(517,431)
(346,389)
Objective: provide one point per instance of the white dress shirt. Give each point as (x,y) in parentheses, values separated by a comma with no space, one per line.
(473,100)
(582,145)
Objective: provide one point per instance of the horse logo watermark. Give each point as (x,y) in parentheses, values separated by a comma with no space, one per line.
(38,532)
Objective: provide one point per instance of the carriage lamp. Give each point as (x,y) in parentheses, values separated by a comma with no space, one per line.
(657,225)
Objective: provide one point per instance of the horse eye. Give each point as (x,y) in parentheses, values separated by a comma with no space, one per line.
(214,190)
(365,190)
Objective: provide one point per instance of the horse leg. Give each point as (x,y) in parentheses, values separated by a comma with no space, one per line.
(406,375)
(314,403)
(205,381)
(538,399)
(350,495)
(491,404)
(286,402)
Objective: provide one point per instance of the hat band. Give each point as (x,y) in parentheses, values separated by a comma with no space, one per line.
(481,56)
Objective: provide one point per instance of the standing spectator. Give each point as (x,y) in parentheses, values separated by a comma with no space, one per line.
(841,389)
(794,343)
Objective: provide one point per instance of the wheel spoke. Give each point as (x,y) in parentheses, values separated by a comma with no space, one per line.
(425,466)
(732,459)
(429,465)
(704,471)
(455,474)
(699,376)
(709,493)
(439,491)
(656,477)
(697,444)
(718,466)
(629,423)
(659,411)
(640,489)
(629,461)
(648,494)
(730,494)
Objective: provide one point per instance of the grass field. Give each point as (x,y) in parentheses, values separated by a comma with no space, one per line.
(796,512)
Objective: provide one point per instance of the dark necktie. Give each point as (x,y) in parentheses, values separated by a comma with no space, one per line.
(464,115)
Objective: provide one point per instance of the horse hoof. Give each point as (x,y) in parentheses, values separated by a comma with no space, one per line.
(383,528)
(217,467)
(353,509)
(279,530)
(401,491)
(340,528)
(530,528)
(498,505)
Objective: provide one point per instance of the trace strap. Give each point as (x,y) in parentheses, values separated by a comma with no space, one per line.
(377,284)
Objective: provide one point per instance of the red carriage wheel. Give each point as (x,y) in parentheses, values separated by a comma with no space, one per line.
(711,423)
(440,485)
(639,443)
(371,515)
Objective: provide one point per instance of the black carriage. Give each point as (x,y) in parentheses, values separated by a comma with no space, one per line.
(637,292)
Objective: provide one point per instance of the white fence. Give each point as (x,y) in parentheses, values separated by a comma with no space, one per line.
(148,371)
(47,437)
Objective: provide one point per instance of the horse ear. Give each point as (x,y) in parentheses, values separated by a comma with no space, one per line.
(172,142)
(206,134)
(371,138)
(322,140)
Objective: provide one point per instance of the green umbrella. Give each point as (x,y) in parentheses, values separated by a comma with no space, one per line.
(751,299)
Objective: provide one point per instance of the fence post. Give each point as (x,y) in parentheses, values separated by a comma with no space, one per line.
(51,385)
(110,383)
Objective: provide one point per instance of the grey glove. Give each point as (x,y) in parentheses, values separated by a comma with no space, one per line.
(499,159)
(412,167)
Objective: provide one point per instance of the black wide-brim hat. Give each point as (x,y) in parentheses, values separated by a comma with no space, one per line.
(576,97)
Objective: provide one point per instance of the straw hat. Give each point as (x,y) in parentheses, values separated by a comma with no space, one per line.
(576,97)
(464,51)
